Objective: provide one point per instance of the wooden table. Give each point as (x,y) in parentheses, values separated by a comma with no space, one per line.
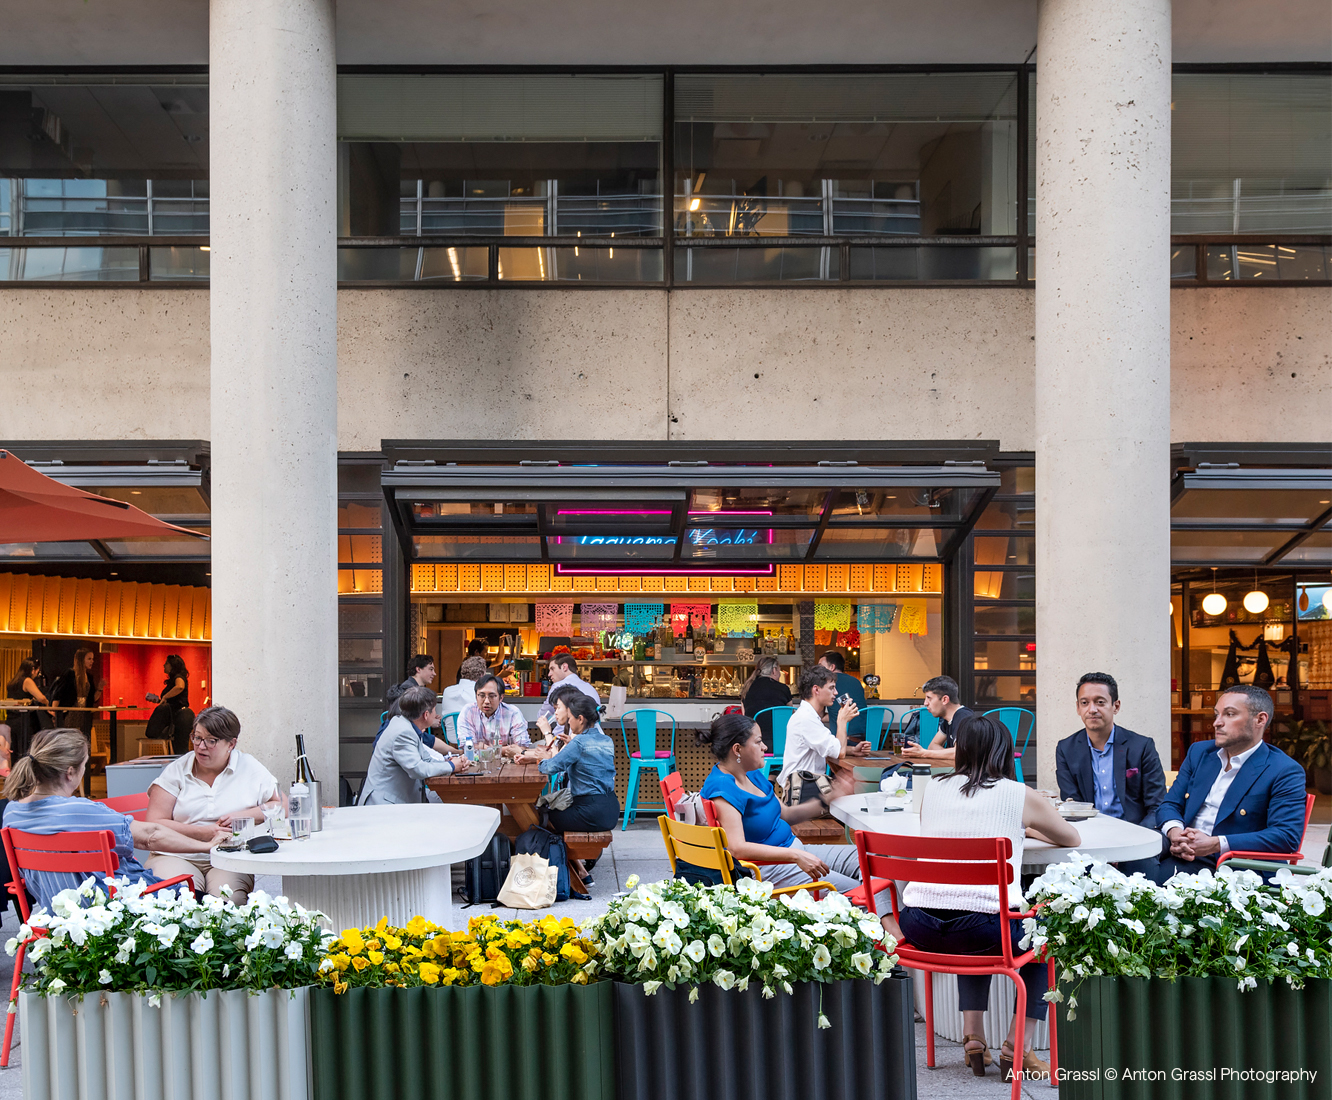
(848,762)
(25,708)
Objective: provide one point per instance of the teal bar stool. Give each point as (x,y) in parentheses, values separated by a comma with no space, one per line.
(929,725)
(448,726)
(1020,723)
(876,727)
(647,755)
(781,718)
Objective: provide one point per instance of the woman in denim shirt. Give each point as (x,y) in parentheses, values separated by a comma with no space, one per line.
(588,761)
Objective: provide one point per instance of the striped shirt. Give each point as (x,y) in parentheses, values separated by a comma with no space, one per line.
(59,814)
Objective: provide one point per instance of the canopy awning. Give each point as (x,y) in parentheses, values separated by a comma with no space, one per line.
(684,516)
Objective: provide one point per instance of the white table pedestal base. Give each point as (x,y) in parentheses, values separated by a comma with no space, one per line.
(359,900)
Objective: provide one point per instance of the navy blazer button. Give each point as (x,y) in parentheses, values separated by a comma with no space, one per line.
(1243,812)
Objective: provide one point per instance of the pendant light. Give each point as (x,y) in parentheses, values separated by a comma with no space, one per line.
(1214,604)
(1304,599)
(1255,601)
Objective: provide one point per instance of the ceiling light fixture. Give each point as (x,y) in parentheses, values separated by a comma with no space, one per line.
(1255,602)
(1214,604)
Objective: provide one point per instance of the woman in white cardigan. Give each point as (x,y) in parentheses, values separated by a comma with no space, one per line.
(981,799)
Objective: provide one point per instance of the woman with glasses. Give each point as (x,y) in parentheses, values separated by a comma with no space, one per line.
(214,786)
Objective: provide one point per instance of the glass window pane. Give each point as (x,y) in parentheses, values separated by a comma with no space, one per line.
(934,263)
(1005,620)
(448,509)
(861,543)
(726,266)
(1223,546)
(356,514)
(360,549)
(900,502)
(360,651)
(581,265)
(411,265)
(186,263)
(1250,153)
(737,503)
(990,550)
(52,551)
(86,264)
(993,691)
(1017,479)
(1004,515)
(1245,506)
(817,154)
(1183,261)
(166,549)
(360,580)
(500,154)
(1014,656)
(1297,263)
(164,501)
(360,617)
(1315,550)
(994,584)
(612,548)
(763,544)
(453,265)
(478,547)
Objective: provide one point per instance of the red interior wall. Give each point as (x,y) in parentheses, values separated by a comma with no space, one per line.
(136,669)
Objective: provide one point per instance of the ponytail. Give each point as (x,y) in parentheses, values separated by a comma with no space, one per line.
(52,754)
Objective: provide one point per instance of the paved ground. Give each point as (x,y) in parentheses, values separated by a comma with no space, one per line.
(639,851)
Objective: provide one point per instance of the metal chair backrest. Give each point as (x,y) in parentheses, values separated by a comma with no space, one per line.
(702,845)
(672,790)
(90,853)
(135,805)
(645,729)
(875,726)
(448,725)
(781,718)
(954,861)
(929,725)
(1018,721)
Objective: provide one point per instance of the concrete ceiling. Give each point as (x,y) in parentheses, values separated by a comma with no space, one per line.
(680,32)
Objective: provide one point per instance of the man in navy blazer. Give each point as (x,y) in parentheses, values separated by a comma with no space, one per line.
(1113,768)
(1235,792)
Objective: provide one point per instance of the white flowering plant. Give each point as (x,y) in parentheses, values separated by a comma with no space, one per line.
(1095,920)
(675,933)
(94,938)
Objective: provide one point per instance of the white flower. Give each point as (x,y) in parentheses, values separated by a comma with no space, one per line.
(649,987)
(629,884)
(294,950)
(822,958)
(724,979)
(862,962)
(824,1021)
(696,951)
(675,912)
(202,944)
(871,928)
(56,985)
(1113,948)
(693,994)
(1313,903)
(716,946)
(753,889)
(104,976)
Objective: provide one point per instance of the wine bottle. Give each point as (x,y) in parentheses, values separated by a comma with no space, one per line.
(689,637)
(304,773)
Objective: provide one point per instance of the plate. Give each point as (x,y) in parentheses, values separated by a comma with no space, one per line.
(1077,811)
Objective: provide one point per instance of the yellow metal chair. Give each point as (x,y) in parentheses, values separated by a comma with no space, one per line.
(705,846)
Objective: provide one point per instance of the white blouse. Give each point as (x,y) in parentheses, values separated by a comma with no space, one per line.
(243,782)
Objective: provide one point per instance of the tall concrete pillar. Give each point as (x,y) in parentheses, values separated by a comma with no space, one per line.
(273,175)
(1102,361)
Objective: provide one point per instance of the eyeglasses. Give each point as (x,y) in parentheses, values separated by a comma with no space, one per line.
(209,743)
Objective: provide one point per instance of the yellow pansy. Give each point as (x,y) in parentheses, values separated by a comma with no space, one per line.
(341,961)
(416,926)
(496,970)
(375,957)
(478,962)
(574,953)
(549,959)
(529,964)
(393,943)
(352,941)
(360,962)
(578,979)
(449,976)
(429,973)
(392,968)
(379,928)
(339,987)
(517,938)
(373,945)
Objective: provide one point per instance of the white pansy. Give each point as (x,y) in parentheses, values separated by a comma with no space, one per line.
(56,985)
(104,976)
(651,987)
(202,944)
(822,958)
(724,979)
(294,950)
(696,951)
(631,882)
(862,962)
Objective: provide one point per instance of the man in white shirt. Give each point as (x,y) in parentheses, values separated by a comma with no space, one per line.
(1235,792)
(809,744)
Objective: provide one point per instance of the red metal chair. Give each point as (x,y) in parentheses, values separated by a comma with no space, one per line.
(955,861)
(91,853)
(132,805)
(1277,857)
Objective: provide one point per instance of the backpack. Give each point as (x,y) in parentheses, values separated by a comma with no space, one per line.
(911,728)
(483,875)
(542,842)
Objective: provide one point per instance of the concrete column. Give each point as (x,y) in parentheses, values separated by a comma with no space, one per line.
(273,105)
(1102,361)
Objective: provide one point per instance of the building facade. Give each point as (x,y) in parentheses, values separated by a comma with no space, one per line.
(1050,267)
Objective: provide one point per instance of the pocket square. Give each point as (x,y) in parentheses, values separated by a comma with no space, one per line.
(1130,773)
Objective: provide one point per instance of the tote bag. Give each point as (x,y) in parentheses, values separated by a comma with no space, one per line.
(531,883)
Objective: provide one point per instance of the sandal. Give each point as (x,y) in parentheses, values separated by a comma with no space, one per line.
(976,1054)
(1033,1069)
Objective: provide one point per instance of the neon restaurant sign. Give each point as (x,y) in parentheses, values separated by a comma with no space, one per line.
(696,536)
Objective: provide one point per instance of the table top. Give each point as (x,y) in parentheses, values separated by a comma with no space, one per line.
(1110,839)
(509,773)
(365,840)
(881,759)
(15,704)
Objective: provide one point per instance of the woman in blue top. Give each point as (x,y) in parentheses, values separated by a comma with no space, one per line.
(758,826)
(588,760)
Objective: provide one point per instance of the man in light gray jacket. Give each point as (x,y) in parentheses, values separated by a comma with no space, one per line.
(401,763)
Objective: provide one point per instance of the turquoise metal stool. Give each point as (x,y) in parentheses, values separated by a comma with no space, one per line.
(448,726)
(781,718)
(929,725)
(876,727)
(647,755)
(1020,723)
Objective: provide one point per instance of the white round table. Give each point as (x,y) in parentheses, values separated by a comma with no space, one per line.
(1109,839)
(376,861)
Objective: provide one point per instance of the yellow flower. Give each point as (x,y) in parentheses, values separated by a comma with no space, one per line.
(379,928)
(412,952)
(534,952)
(341,961)
(495,971)
(352,941)
(429,973)
(360,962)
(529,963)
(493,952)
(339,987)
(393,943)
(568,922)
(517,938)
(574,953)
(392,968)
(478,963)
(578,979)
(449,976)
(373,945)
(416,926)
(549,959)
(460,937)
(375,957)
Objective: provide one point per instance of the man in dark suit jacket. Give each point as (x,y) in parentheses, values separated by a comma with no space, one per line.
(1234,793)
(1113,768)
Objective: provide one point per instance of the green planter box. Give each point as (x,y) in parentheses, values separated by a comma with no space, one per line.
(1193,1039)
(507,1043)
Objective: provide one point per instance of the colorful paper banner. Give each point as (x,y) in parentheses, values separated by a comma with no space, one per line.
(913,620)
(640,618)
(737,616)
(595,617)
(685,614)
(830,615)
(555,618)
(876,618)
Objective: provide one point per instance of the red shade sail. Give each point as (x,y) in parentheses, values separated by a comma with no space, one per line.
(37,508)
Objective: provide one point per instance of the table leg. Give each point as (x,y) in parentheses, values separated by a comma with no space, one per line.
(358,901)
(113,738)
(524,814)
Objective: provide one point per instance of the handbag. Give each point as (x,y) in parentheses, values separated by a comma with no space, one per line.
(805,787)
(530,884)
(555,800)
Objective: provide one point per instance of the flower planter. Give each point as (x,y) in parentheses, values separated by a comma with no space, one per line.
(232,1045)
(533,1042)
(1194,1026)
(731,1045)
